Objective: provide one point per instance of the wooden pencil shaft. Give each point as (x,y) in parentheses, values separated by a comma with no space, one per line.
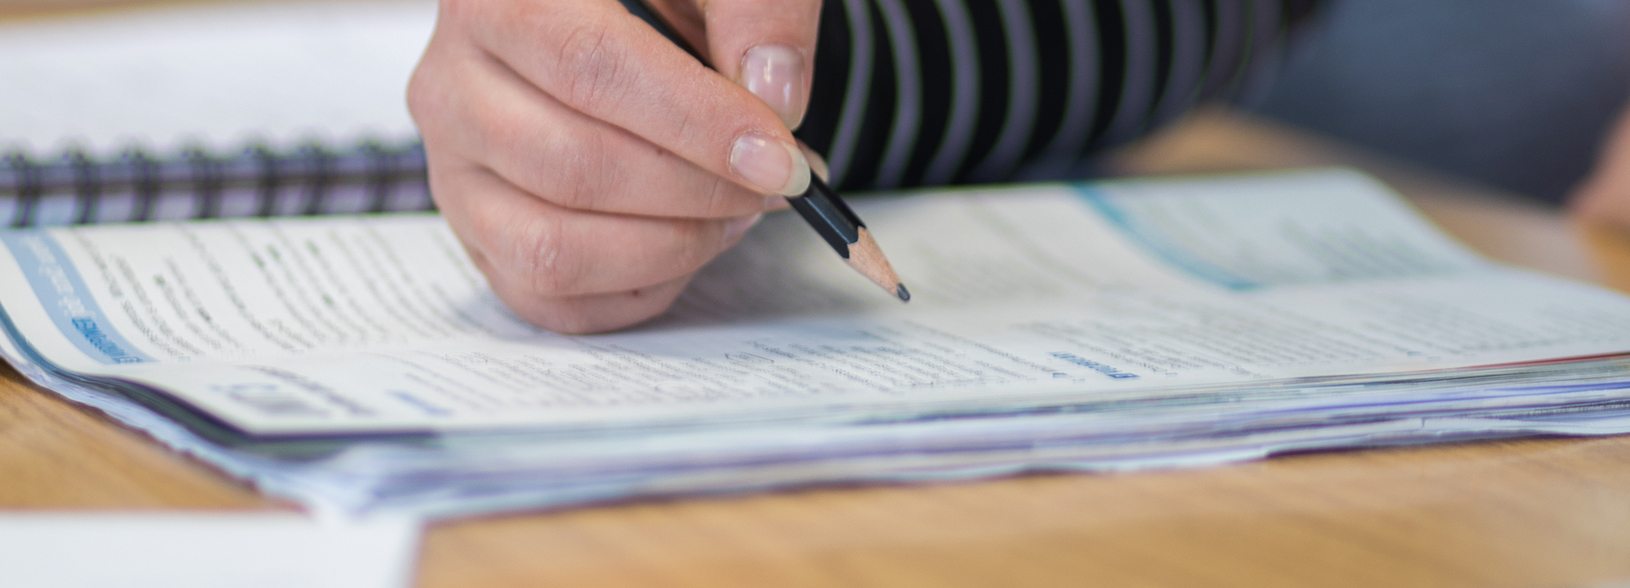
(829,217)
(867,258)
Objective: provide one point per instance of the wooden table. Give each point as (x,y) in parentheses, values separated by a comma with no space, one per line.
(1540,512)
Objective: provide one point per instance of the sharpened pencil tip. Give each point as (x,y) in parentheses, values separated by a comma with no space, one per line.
(867,258)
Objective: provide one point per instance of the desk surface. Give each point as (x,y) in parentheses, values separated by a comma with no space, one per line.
(1552,512)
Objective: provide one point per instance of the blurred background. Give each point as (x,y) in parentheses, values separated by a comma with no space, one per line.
(1514,94)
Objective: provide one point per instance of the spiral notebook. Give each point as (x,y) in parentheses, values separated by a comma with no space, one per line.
(211,111)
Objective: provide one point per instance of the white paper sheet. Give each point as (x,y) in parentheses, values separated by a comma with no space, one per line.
(199,550)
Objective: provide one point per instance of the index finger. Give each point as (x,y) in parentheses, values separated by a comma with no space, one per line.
(604,62)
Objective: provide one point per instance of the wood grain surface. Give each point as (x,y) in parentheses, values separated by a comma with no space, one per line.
(1538,512)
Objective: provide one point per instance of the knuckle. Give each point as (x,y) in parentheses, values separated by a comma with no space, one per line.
(423,99)
(533,251)
(544,253)
(592,61)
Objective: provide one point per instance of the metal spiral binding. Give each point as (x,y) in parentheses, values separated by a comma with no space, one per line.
(318,169)
(144,182)
(301,181)
(206,182)
(268,176)
(87,185)
(24,179)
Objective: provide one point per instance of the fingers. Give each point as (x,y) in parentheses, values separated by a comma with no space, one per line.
(767,46)
(538,250)
(596,58)
(817,163)
(596,313)
(1605,194)
(545,148)
(588,165)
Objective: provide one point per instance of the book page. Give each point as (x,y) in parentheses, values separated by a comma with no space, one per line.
(1029,294)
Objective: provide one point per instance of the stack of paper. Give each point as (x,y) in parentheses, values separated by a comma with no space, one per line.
(361,364)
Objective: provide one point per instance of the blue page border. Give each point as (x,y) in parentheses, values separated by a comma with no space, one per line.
(67,301)
(1156,242)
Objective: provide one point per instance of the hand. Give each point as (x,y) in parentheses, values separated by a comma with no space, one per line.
(588,165)
(1605,195)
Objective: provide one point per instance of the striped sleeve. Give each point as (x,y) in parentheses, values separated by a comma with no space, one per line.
(927,92)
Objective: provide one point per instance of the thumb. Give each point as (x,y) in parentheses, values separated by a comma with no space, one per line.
(767,46)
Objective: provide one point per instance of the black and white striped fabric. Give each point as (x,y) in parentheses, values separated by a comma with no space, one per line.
(927,92)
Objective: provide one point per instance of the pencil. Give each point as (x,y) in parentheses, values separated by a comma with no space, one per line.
(820,205)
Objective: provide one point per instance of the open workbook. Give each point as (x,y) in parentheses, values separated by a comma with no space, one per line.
(1024,296)
(359,363)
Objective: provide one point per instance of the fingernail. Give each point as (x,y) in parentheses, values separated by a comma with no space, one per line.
(736,227)
(770,164)
(817,163)
(775,73)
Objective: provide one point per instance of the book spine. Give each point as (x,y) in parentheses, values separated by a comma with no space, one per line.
(257,181)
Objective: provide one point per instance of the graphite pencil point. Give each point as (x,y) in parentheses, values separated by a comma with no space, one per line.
(901,291)
(867,258)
